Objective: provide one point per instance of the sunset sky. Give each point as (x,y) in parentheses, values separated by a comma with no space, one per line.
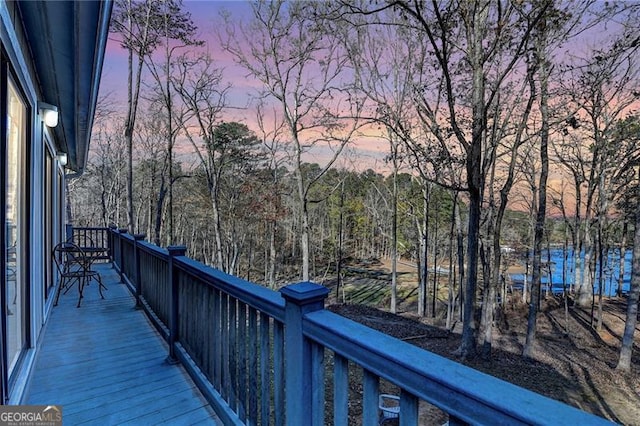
(205,14)
(367,152)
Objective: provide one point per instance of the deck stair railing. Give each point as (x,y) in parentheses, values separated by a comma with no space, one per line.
(266,357)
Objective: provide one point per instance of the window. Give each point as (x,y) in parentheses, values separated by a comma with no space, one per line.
(15,225)
(49,224)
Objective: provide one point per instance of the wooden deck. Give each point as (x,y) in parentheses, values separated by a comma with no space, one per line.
(105,364)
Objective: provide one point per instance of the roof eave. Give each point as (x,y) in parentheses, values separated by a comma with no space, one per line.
(68,42)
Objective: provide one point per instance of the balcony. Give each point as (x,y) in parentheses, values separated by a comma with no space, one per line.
(257,356)
(105,364)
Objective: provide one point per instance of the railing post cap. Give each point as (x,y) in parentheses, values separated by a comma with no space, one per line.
(304,292)
(177,250)
(139,236)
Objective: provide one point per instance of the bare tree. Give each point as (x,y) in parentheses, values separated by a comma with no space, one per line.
(135,22)
(152,165)
(626,349)
(176,31)
(600,88)
(297,56)
(506,139)
(632,199)
(540,46)
(374,55)
(476,46)
(202,89)
(271,134)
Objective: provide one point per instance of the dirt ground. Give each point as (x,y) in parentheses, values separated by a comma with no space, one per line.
(576,367)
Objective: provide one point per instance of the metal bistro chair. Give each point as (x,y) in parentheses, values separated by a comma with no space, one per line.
(74,267)
(389,406)
(92,251)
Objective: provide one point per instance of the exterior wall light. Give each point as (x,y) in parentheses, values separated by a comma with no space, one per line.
(62,158)
(49,114)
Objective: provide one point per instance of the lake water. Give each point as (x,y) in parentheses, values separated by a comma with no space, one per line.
(611,272)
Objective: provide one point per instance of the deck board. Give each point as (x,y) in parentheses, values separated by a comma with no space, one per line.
(105,364)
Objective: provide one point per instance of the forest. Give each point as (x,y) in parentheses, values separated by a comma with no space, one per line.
(464,135)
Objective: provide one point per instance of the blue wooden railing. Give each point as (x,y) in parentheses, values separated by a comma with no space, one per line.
(262,357)
(89,237)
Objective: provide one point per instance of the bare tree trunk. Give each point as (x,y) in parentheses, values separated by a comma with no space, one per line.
(394,233)
(565,293)
(475,178)
(272,255)
(467,348)
(249,258)
(419,267)
(528,350)
(304,222)
(339,283)
(170,142)
(601,254)
(626,349)
(452,278)
(128,134)
(495,280)
(460,257)
(584,290)
(423,272)
(435,267)
(133,92)
(217,232)
(159,210)
(623,255)
(577,241)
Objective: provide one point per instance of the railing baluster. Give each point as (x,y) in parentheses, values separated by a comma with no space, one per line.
(265,379)
(197,296)
(278,373)
(253,366)
(121,257)
(138,276)
(205,325)
(340,390)
(317,384)
(233,361)
(211,340)
(408,409)
(370,390)
(217,348)
(224,323)
(242,355)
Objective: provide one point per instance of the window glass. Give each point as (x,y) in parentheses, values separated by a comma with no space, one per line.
(48,221)
(15,222)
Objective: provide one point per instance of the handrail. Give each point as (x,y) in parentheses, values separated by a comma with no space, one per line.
(89,236)
(479,398)
(153,250)
(256,296)
(228,332)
